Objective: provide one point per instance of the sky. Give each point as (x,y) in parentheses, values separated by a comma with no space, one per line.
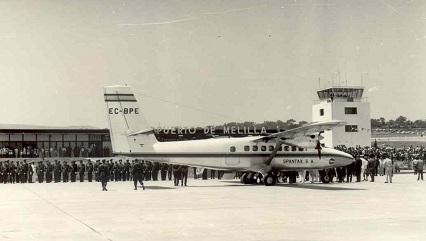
(197,63)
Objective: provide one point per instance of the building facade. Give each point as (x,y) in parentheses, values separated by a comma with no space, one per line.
(54,142)
(344,103)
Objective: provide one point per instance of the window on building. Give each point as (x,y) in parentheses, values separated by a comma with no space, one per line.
(246,148)
(351,110)
(321,112)
(263,148)
(255,148)
(351,128)
(232,148)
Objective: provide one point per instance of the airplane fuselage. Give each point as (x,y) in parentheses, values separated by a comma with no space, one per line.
(242,154)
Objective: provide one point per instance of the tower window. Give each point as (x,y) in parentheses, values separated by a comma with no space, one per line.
(321,112)
(351,110)
(351,128)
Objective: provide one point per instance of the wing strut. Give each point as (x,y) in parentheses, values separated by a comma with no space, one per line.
(274,152)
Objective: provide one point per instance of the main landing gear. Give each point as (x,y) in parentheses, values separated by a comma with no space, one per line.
(269,179)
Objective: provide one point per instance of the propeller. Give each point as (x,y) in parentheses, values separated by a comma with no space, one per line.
(318,146)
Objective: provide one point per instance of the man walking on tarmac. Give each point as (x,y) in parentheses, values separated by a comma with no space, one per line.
(138,174)
(103,171)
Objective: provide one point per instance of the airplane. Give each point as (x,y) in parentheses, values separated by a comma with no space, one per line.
(258,157)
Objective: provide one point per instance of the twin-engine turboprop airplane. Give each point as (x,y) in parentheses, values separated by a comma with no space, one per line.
(295,149)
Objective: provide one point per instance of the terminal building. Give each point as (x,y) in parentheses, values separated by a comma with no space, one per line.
(344,103)
(23,141)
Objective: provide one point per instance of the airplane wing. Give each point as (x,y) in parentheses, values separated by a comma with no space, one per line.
(305,131)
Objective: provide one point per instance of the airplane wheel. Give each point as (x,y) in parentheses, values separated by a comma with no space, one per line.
(269,179)
(326,179)
(245,178)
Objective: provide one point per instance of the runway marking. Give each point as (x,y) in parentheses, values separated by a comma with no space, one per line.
(78,220)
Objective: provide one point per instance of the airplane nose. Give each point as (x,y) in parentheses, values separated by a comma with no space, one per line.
(344,159)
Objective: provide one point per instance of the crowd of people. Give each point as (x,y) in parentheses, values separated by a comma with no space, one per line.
(134,170)
(368,163)
(54,151)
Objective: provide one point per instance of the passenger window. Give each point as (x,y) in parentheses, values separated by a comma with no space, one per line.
(232,148)
(293,148)
(255,148)
(281,148)
(286,148)
(301,149)
(246,148)
(271,148)
(263,148)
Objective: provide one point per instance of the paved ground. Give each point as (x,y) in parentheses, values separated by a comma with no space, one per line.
(215,210)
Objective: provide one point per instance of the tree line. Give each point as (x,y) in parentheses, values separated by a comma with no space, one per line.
(400,122)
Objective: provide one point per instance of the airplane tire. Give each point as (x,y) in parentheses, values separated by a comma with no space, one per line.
(245,179)
(269,179)
(326,179)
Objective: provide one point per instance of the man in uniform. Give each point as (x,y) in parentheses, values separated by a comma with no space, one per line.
(81,170)
(40,172)
(104,171)
(74,170)
(90,170)
(176,174)
(6,172)
(31,170)
(111,170)
(163,171)
(65,171)
(126,170)
(25,172)
(57,171)
(95,167)
(184,173)
(138,174)
(49,171)
(121,171)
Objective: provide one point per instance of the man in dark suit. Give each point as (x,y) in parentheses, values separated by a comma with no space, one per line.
(358,164)
(371,166)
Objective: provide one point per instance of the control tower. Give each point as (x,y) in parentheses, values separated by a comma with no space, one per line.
(344,103)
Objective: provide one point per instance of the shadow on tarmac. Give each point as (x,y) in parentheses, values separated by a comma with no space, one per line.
(320,186)
(155,188)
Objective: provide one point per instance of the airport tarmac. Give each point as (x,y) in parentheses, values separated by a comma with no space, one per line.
(215,210)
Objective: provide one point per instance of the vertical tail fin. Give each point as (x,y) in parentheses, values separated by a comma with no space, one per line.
(128,128)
